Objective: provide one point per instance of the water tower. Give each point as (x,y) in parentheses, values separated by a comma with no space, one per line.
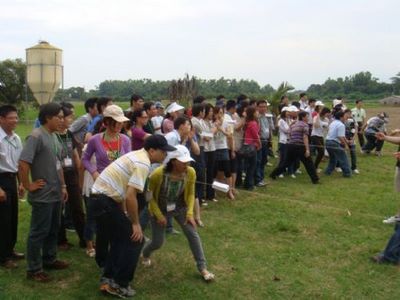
(44,71)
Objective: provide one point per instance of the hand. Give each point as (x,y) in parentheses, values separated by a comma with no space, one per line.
(21,191)
(162,222)
(380,136)
(137,234)
(95,175)
(233,154)
(191,221)
(397,155)
(36,185)
(307,153)
(64,194)
(3,195)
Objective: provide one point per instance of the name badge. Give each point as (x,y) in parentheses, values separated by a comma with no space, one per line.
(171,207)
(58,165)
(67,162)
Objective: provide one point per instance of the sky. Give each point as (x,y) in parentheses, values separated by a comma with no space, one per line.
(302,42)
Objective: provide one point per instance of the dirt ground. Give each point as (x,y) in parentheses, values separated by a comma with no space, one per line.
(392,111)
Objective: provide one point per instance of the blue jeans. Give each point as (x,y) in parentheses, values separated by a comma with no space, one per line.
(392,250)
(337,155)
(262,159)
(250,164)
(42,239)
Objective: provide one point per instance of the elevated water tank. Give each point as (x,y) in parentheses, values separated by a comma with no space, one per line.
(44,71)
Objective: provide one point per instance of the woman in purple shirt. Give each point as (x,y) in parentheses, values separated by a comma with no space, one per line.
(140,119)
(107,146)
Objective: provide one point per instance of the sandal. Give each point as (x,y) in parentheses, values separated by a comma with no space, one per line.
(207,276)
(91,252)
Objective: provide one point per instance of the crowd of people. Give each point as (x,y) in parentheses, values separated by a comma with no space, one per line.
(112,173)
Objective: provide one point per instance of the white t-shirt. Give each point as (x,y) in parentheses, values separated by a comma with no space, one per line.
(358,114)
(321,129)
(220,138)
(157,121)
(283,131)
(209,146)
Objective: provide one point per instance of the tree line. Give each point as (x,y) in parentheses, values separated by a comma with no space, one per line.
(358,86)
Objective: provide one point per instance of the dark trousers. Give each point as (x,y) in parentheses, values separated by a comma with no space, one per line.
(210,167)
(42,239)
(124,254)
(372,142)
(297,152)
(392,250)
(199,167)
(250,163)
(75,207)
(360,134)
(239,170)
(317,142)
(8,216)
(262,159)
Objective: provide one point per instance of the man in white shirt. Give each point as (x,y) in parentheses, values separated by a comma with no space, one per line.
(157,120)
(10,151)
(303,101)
(359,116)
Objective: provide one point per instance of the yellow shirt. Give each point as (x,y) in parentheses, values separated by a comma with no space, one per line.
(155,182)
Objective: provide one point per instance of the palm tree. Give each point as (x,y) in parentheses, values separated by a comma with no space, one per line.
(396,83)
(275,98)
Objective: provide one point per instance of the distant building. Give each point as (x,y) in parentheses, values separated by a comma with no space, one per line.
(392,100)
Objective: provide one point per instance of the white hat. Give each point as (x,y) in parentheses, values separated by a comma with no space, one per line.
(115,112)
(285,108)
(293,108)
(174,107)
(181,153)
(319,103)
(336,102)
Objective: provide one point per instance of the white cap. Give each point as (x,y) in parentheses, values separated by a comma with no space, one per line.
(293,108)
(174,107)
(285,108)
(319,103)
(115,112)
(181,153)
(336,102)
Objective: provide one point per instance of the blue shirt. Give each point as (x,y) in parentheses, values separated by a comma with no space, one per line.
(336,130)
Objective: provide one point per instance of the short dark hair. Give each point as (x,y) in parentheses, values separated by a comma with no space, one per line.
(311,100)
(283,97)
(90,103)
(135,98)
(48,110)
(302,115)
(67,108)
(102,101)
(358,101)
(324,111)
(197,109)
(180,121)
(347,110)
(6,109)
(339,97)
(219,97)
(339,114)
(283,114)
(296,103)
(302,95)
(147,105)
(252,102)
(242,107)
(259,102)
(241,98)
(137,114)
(198,99)
(230,104)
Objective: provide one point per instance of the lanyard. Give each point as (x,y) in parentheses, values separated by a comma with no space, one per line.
(64,144)
(115,153)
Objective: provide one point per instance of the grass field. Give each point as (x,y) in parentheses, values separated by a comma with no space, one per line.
(290,239)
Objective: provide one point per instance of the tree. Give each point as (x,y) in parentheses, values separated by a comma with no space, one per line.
(282,90)
(396,83)
(12,81)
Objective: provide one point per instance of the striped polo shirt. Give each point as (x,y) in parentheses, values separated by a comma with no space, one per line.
(131,169)
(297,132)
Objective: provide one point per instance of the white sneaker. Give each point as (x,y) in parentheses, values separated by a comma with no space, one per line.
(261,184)
(281,176)
(319,171)
(391,220)
(355,171)
(146,262)
(293,176)
(339,170)
(298,171)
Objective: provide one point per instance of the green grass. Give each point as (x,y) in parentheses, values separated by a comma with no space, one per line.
(291,239)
